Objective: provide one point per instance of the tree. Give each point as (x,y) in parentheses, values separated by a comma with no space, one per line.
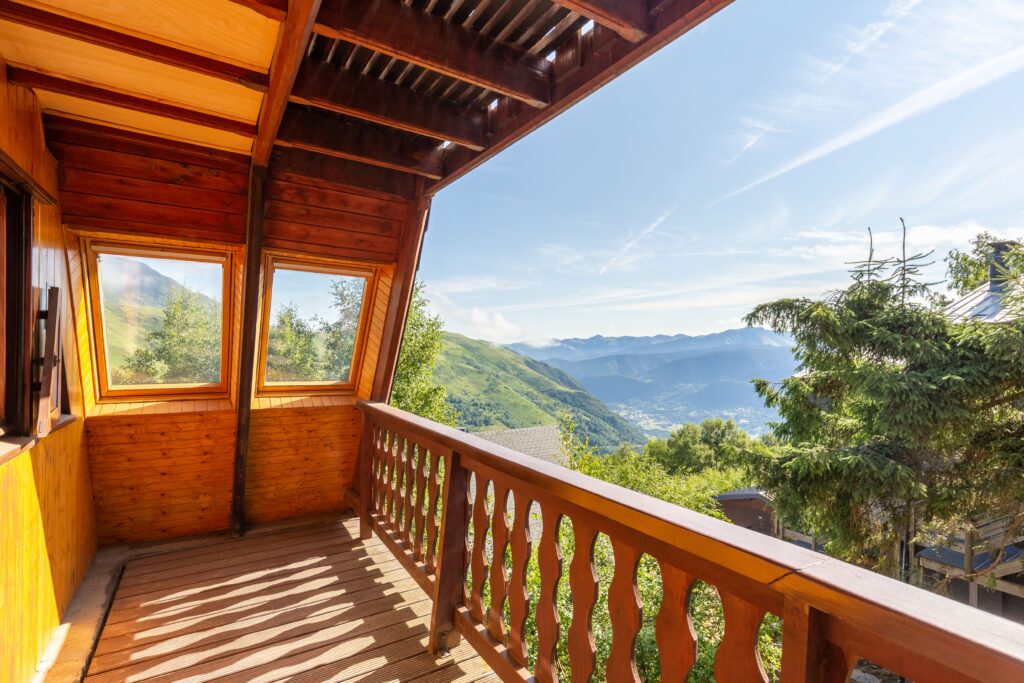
(968,270)
(694,448)
(414,389)
(291,348)
(898,416)
(340,333)
(185,348)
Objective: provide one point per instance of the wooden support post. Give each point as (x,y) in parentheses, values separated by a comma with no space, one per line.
(413,231)
(366,447)
(247,353)
(450,586)
(803,648)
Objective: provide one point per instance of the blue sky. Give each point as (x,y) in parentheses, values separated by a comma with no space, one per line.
(741,164)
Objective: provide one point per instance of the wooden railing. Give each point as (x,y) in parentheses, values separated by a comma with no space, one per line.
(431,493)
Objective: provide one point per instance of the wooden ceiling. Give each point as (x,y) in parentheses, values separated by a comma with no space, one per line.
(373,93)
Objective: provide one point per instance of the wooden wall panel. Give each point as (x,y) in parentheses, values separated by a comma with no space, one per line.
(47,540)
(301,461)
(47,526)
(332,221)
(161,476)
(117,181)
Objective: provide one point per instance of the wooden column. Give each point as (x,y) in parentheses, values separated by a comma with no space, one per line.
(413,231)
(247,352)
(366,446)
(450,588)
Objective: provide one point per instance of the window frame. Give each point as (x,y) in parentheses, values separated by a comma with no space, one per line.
(225,257)
(283,261)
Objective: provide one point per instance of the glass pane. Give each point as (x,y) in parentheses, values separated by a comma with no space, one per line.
(314,318)
(162,320)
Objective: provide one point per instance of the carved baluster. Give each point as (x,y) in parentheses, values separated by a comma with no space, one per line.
(479,561)
(677,641)
(420,519)
(624,608)
(396,508)
(518,597)
(737,658)
(583,584)
(839,663)
(499,581)
(410,478)
(434,491)
(389,476)
(379,466)
(549,559)
(803,647)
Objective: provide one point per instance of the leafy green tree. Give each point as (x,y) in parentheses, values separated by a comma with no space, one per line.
(694,448)
(340,333)
(291,348)
(185,348)
(414,389)
(968,270)
(898,416)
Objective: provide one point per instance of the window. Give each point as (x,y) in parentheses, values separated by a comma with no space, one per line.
(312,320)
(159,319)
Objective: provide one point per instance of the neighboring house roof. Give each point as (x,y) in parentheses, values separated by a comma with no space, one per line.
(982,560)
(543,442)
(744,494)
(984,304)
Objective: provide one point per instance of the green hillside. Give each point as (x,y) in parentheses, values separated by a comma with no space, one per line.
(493,388)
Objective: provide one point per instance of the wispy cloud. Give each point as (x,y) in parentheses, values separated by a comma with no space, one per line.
(626,252)
(922,101)
(864,39)
(475,321)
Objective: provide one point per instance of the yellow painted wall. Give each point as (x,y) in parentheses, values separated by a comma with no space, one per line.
(47,526)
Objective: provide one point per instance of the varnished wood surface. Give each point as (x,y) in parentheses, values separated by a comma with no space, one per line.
(310,604)
(849,613)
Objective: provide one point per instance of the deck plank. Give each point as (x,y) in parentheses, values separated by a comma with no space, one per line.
(306,604)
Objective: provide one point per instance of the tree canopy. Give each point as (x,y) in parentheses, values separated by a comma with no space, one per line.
(898,416)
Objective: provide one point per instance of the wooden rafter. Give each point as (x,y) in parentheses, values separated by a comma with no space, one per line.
(108,38)
(398,30)
(326,134)
(303,166)
(370,99)
(628,18)
(42,81)
(581,66)
(291,45)
(272,9)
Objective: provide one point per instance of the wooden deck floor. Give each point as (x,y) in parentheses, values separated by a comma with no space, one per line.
(311,604)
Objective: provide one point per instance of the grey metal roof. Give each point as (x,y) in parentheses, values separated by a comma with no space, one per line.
(540,442)
(750,493)
(983,304)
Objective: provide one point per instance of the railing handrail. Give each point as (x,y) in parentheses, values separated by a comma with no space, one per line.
(856,603)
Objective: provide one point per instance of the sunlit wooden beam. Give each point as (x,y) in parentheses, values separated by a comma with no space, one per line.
(628,18)
(393,28)
(327,134)
(371,99)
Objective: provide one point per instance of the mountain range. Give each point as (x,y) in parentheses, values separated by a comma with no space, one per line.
(660,382)
(493,387)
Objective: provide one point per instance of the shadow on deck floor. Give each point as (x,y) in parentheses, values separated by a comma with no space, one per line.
(309,604)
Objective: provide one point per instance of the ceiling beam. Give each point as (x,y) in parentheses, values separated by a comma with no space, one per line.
(272,9)
(311,168)
(347,92)
(291,46)
(582,65)
(628,18)
(398,30)
(104,37)
(41,81)
(326,134)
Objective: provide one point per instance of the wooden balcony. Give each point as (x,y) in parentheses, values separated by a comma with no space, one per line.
(429,492)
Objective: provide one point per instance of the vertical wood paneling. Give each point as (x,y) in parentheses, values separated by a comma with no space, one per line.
(47,527)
